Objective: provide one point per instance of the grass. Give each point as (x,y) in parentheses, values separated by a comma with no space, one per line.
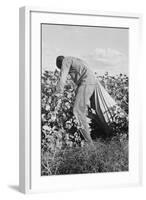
(106,156)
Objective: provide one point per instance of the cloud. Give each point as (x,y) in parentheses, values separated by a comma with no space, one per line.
(107,59)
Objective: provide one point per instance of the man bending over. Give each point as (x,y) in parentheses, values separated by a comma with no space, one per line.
(85,82)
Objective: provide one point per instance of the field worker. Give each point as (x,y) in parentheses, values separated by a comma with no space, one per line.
(86,84)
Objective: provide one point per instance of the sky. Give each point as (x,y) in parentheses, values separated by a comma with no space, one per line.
(104,49)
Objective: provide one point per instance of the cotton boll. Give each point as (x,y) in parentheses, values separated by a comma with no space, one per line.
(47,107)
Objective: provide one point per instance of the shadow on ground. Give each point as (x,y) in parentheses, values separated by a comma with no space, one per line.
(14,187)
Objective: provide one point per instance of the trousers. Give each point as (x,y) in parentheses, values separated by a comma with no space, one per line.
(80,109)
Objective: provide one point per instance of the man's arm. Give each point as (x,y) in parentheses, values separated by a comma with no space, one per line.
(64,72)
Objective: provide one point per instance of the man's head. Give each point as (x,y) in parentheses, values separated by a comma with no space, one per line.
(59,60)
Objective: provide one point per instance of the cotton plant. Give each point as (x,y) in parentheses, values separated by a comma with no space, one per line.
(60,128)
(56,110)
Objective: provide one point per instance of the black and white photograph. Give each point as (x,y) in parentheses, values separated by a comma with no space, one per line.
(84,99)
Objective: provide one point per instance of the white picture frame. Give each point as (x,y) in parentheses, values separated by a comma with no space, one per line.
(29,143)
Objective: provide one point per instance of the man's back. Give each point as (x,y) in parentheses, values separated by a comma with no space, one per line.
(78,70)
